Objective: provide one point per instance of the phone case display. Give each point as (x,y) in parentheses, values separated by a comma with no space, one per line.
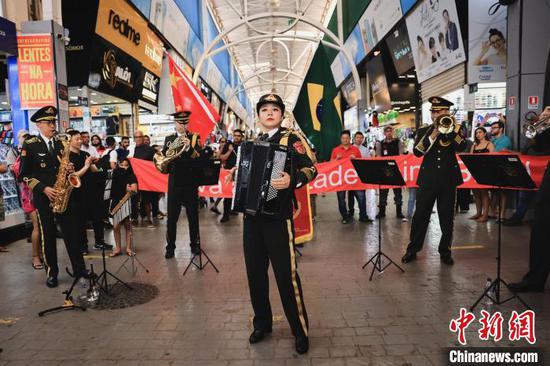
(12,208)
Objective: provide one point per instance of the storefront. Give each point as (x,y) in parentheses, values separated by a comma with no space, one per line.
(13,224)
(120,76)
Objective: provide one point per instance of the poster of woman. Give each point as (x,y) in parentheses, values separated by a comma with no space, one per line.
(487,42)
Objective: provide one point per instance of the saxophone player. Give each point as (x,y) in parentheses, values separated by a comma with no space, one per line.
(40,162)
(182,184)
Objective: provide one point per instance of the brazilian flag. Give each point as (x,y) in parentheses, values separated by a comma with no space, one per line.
(317,109)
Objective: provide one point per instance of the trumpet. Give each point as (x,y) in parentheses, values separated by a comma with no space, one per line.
(534,125)
(445,124)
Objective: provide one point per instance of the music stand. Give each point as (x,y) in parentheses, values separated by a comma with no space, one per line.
(207,172)
(501,171)
(380,172)
(68,303)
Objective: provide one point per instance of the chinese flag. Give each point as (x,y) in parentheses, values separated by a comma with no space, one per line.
(187,97)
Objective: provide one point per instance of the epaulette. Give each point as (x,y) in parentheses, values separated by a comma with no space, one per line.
(32,140)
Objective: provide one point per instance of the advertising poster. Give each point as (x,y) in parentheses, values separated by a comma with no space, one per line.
(435,37)
(340,66)
(486,42)
(167,17)
(378,84)
(378,20)
(400,49)
(36,71)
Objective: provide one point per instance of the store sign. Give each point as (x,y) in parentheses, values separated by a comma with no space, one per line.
(533,102)
(378,84)
(168,18)
(36,71)
(8,37)
(150,85)
(121,25)
(113,72)
(378,20)
(486,42)
(435,38)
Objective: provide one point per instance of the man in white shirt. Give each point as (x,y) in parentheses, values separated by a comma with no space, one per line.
(360,195)
(85,137)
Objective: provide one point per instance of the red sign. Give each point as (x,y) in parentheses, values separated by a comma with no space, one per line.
(533,102)
(36,71)
(512,103)
(333,176)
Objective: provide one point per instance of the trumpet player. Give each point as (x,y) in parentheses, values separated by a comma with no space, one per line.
(182,186)
(40,162)
(437,180)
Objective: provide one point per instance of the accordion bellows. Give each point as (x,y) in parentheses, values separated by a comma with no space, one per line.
(257,163)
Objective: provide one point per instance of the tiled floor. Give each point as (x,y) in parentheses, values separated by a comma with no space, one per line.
(205,318)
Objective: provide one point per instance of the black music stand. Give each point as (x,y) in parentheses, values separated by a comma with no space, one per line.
(380,172)
(68,303)
(207,172)
(501,171)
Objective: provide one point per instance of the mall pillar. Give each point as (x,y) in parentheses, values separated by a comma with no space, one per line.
(527,45)
(58,36)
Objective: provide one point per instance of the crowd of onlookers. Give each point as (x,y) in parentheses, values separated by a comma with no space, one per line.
(146,206)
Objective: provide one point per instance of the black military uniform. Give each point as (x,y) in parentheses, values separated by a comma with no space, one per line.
(39,166)
(183,190)
(390,148)
(268,239)
(437,181)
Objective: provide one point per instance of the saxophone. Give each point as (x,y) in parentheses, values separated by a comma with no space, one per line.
(175,149)
(64,183)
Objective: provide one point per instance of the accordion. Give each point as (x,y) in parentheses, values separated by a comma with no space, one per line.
(257,163)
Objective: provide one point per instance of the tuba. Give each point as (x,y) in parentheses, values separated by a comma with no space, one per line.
(175,149)
(64,183)
(534,125)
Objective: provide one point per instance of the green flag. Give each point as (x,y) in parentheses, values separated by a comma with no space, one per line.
(317,109)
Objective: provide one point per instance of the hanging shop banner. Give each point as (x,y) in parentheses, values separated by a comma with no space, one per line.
(378,84)
(435,37)
(36,71)
(378,20)
(486,42)
(120,24)
(340,67)
(400,49)
(113,71)
(169,20)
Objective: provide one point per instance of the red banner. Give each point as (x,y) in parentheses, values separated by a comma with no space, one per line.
(35,69)
(333,176)
(187,97)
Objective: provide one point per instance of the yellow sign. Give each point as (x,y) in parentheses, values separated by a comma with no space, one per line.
(121,25)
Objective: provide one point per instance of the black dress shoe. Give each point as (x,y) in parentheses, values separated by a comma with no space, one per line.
(447,259)
(302,345)
(169,253)
(101,246)
(51,282)
(225,218)
(525,286)
(258,335)
(408,257)
(512,221)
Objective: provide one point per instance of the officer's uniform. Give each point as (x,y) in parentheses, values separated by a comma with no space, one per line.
(183,190)
(39,166)
(268,239)
(437,181)
(390,148)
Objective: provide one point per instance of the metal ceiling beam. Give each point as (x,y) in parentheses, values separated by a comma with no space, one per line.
(338,44)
